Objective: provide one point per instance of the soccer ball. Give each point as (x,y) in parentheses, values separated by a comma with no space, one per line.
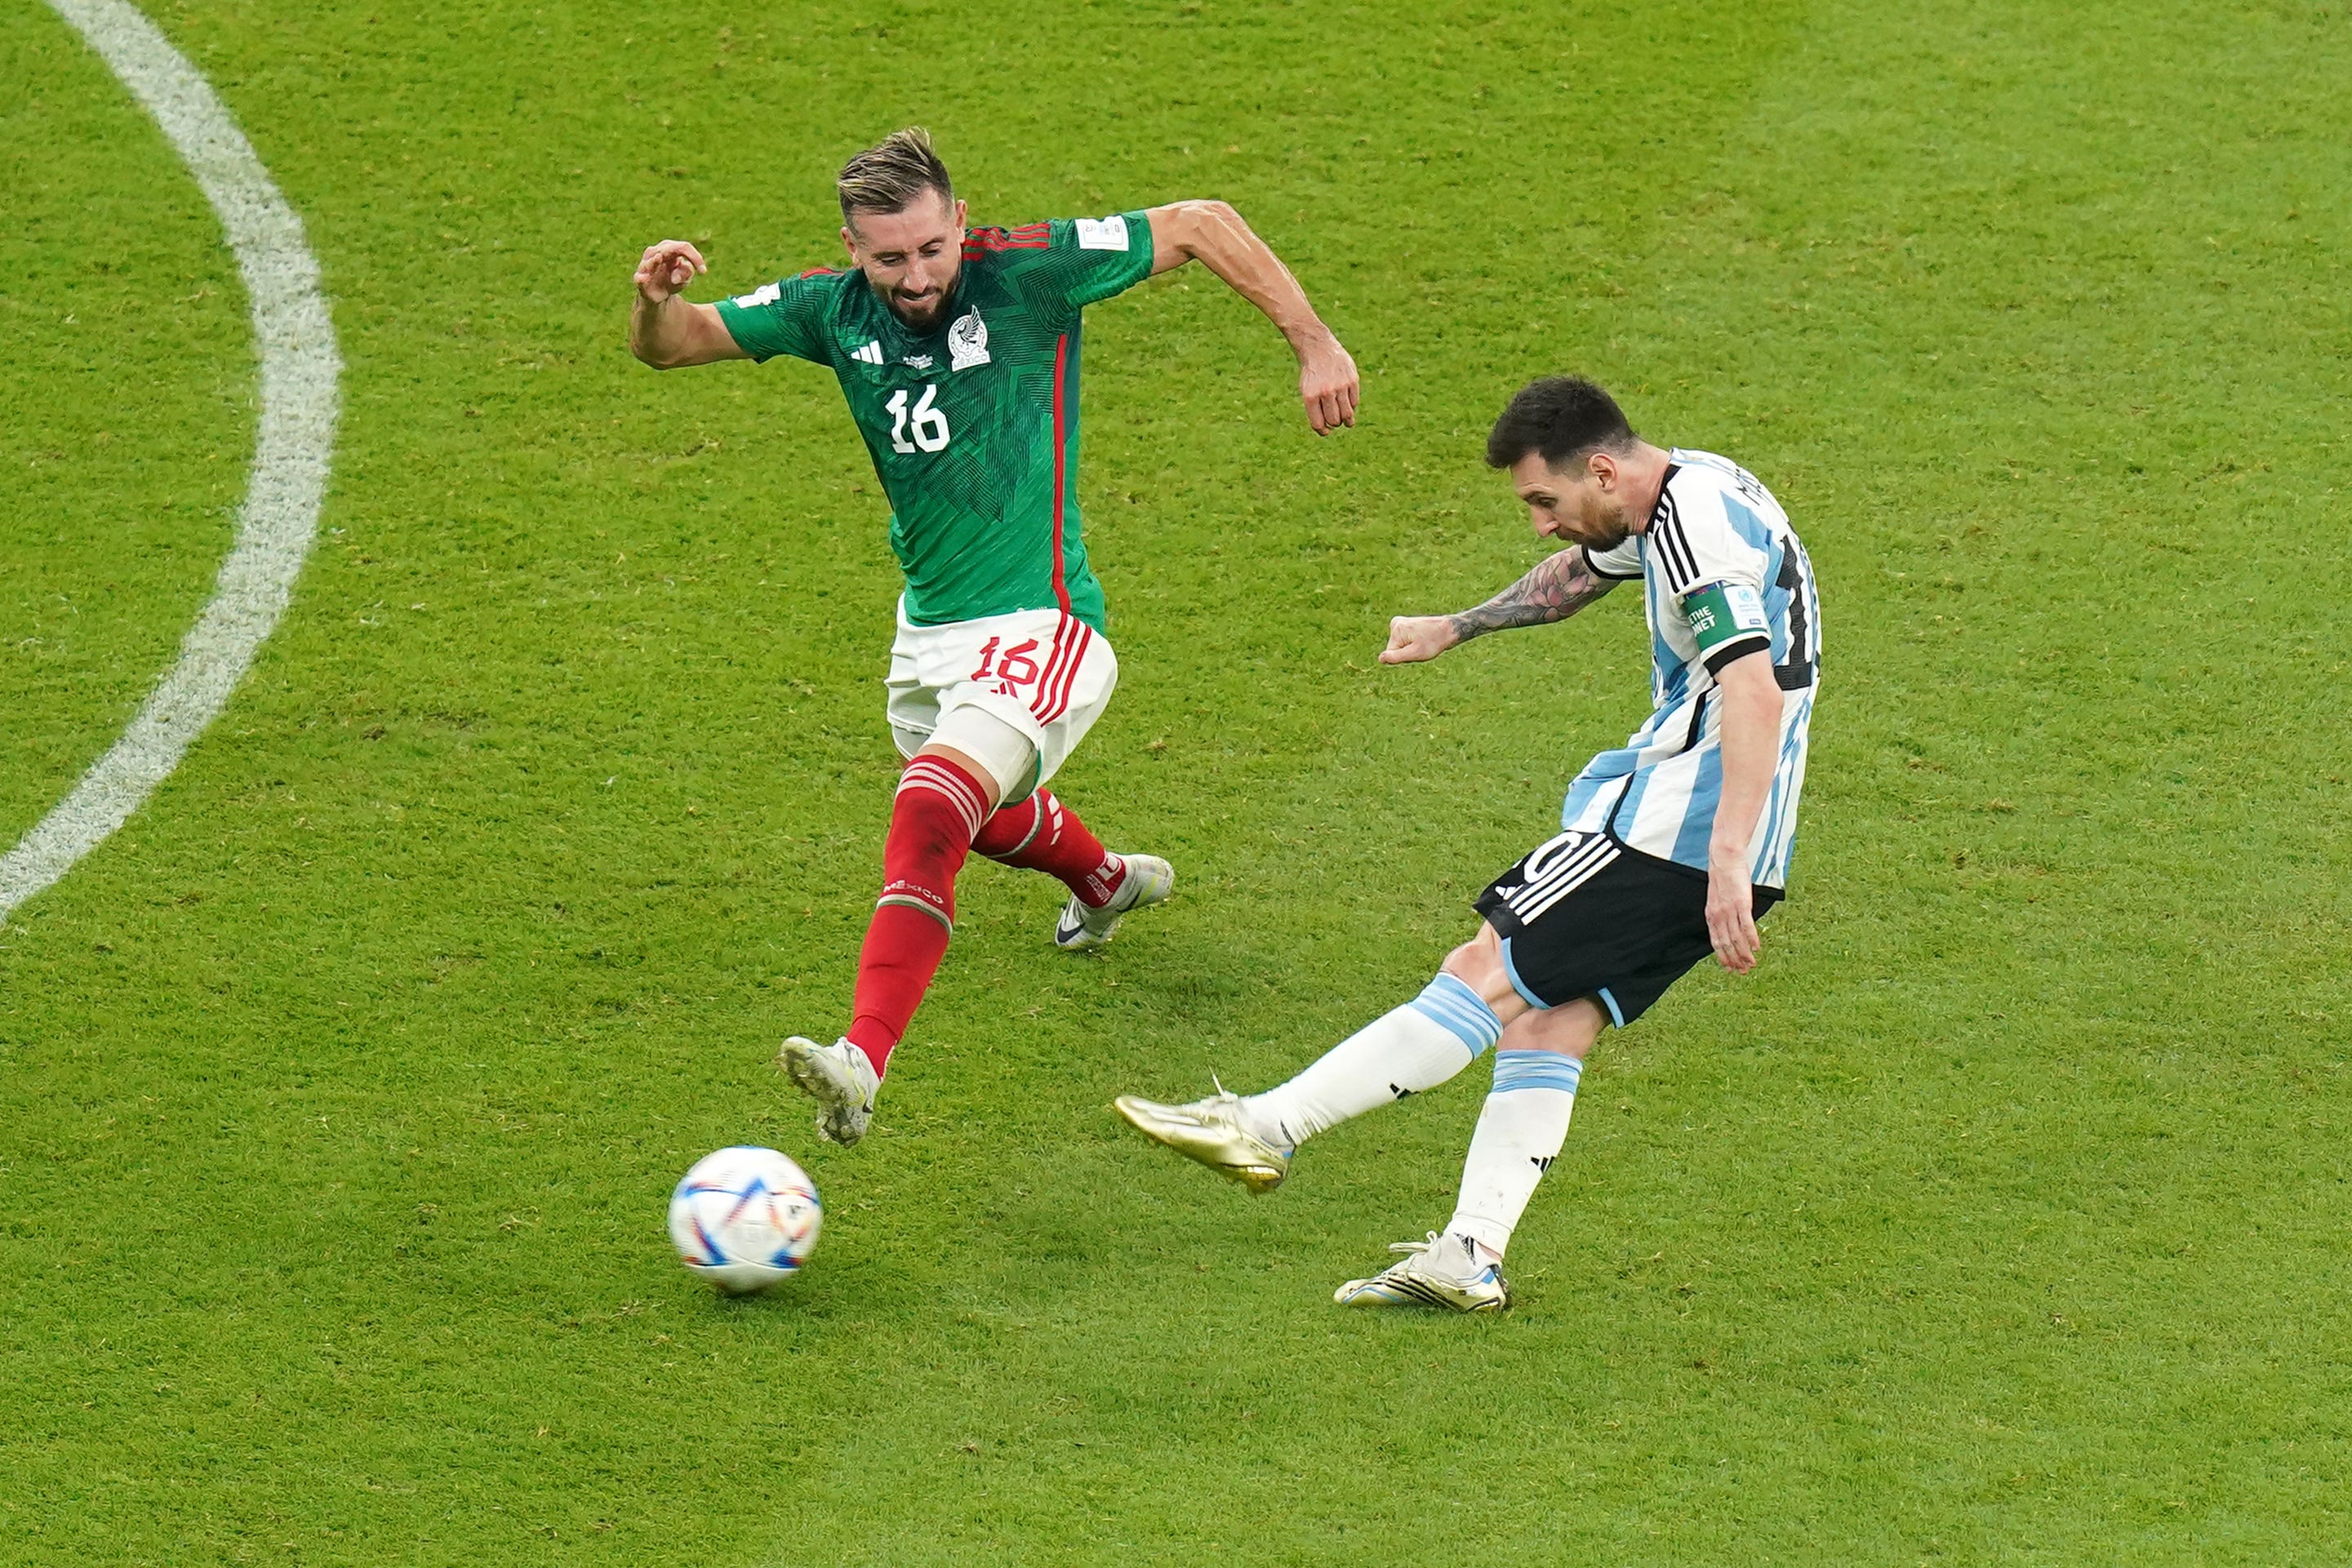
(744,1218)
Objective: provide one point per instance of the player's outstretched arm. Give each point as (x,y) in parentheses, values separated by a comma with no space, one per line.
(667,331)
(1561,584)
(1751,746)
(1213,234)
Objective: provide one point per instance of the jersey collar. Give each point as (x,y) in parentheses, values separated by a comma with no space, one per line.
(1658,507)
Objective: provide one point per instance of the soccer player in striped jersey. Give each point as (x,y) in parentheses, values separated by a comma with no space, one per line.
(957,349)
(1669,847)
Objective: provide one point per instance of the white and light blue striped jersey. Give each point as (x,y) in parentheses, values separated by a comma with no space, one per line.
(1723,575)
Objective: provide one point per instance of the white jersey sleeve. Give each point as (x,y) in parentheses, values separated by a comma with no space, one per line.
(1622,563)
(1694,540)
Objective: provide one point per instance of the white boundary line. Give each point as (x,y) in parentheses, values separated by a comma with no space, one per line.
(296,341)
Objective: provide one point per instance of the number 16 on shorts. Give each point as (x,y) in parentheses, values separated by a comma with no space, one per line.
(1037,672)
(1046,675)
(1010,666)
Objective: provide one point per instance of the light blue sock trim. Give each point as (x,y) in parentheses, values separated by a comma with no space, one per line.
(1511,971)
(1536,1069)
(1461,1011)
(1616,1013)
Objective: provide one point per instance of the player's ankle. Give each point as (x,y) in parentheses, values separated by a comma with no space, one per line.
(1098,886)
(1485,1240)
(874,1041)
(1263,1123)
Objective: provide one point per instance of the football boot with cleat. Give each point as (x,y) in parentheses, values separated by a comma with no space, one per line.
(1213,1132)
(839,1078)
(1084,927)
(1444,1272)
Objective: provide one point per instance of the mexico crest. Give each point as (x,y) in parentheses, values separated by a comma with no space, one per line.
(967,342)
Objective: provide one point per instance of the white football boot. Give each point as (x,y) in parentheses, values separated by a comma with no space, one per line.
(1213,1132)
(1444,1272)
(839,1078)
(1085,926)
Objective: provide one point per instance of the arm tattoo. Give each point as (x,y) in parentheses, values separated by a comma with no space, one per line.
(1559,586)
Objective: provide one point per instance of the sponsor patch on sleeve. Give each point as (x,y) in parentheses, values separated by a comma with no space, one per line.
(766,294)
(1102,234)
(1724,612)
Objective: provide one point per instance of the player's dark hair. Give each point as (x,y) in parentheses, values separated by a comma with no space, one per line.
(1562,417)
(888,176)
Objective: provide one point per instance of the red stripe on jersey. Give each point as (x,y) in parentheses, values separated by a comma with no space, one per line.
(817,272)
(1061,480)
(1029,237)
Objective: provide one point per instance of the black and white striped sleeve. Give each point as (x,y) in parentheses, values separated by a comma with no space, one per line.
(1693,541)
(1716,576)
(1670,543)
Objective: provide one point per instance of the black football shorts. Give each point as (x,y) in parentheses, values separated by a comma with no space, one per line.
(1582,915)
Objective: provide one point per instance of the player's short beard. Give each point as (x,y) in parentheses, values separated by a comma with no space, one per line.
(1612,535)
(891,302)
(935,303)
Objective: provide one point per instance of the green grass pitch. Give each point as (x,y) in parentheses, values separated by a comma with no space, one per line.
(2001,1219)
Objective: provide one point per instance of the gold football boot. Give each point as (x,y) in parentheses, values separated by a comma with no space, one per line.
(1444,1271)
(1210,1132)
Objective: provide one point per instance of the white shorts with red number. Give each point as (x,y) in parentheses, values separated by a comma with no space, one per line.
(1046,675)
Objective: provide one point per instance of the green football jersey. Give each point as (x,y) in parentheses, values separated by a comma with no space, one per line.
(973,426)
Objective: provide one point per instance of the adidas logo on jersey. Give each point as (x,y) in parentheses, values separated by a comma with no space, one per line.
(871,354)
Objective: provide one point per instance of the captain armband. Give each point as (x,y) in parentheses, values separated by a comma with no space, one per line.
(1727,620)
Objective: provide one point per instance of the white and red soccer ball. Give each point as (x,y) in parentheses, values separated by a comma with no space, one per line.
(745,1217)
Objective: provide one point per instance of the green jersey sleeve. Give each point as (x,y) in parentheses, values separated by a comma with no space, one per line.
(1061,266)
(784,317)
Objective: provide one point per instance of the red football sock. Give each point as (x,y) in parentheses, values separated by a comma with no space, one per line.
(1041,834)
(938,808)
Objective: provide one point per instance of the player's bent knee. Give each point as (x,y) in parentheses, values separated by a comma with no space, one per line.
(1478,964)
(1570,1028)
(1008,756)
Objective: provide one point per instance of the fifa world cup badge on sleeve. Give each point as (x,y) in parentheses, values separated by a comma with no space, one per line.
(1102,234)
(1722,612)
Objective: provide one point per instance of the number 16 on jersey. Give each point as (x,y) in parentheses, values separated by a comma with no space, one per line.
(927,425)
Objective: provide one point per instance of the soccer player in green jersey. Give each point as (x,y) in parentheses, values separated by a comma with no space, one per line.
(958,351)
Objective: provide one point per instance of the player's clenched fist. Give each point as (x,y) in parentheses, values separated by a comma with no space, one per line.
(665,268)
(1413,638)
(1329,386)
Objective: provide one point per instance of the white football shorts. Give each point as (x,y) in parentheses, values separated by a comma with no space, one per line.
(1042,675)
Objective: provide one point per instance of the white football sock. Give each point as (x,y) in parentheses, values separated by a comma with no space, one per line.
(1417,1046)
(1521,1130)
